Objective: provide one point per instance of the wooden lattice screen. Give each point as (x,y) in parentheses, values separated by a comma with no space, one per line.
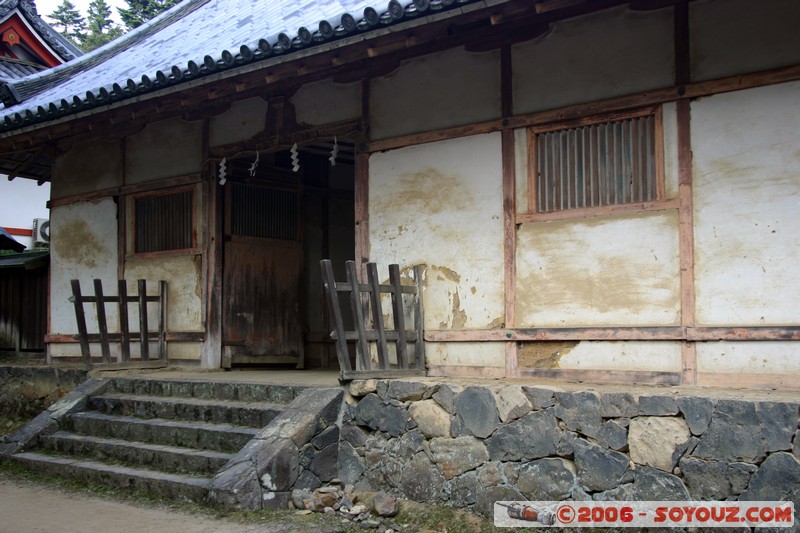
(374,327)
(125,336)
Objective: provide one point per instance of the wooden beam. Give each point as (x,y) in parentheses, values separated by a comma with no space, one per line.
(603,376)
(652,333)
(509,245)
(589,212)
(739,380)
(686,236)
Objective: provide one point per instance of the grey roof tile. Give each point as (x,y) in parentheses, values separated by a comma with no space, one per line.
(191,40)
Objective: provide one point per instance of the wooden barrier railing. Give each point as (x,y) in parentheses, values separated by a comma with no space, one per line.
(124,336)
(363,298)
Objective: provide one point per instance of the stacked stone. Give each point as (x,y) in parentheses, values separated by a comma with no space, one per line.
(471,446)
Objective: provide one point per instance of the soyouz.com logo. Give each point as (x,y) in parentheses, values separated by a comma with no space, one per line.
(644,514)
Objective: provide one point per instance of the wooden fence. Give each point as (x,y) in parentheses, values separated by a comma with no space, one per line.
(125,336)
(374,327)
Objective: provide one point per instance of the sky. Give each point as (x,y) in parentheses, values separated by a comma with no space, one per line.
(45,7)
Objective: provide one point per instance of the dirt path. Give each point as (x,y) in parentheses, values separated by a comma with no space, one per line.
(27,507)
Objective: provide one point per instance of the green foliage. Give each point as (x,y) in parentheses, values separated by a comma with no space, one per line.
(140,11)
(68,20)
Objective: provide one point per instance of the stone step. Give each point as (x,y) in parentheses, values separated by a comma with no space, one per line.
(154,456)
(201,435)
(253,414)
(209,390)
(161,484)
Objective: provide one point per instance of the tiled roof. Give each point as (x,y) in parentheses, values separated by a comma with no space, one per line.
(7,242)
(192,40)
(11,69)
(28,260)
(62,46)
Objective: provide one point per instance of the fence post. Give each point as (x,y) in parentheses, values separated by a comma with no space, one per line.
(144,339)
(77,300)
(102,324)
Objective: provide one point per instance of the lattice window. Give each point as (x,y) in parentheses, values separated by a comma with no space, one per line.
(265,212)
(605,163)
(164,222)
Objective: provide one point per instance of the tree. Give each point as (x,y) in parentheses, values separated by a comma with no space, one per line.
(140,11)
(101,28)
(69,19)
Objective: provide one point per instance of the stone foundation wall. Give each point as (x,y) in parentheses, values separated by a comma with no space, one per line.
(469,446)
(26,391)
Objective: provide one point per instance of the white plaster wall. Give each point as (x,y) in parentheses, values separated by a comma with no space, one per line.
(327,102)
(628,355)
(242,121)
(164,150)
(737,36)
(87,167)
(440,205)
(184,294)
(480,354)
(611,53)
(776,357)
(603,271)
(83,246)
(449,88)
(747,206)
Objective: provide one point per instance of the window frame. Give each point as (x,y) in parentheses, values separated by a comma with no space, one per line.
(660,201)
(193,249)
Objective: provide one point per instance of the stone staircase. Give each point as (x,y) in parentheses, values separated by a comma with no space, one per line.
(166,438)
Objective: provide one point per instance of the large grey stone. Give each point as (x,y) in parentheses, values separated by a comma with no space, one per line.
(459,455)
(445,394)
(421,481)
(706,480)
(477,410)
(613,435)
(351,465)
(547,479)
(734,434)
(324,465)
(599,468)
(657,405)
(375,414)
(533,436)
(362,387)
(462,491)
(326,437)
(654,440)
(237,487)
(324,402)
(405,391)
(618,404)
(580,411)
(299,426)
(566,444)
(353,434)
(778,424)
(778,478)
(487,496)
(512,403)
(541,396)
(796,444)
(278,465)
(739,475)
(697,412)
(651,484)
(431,419)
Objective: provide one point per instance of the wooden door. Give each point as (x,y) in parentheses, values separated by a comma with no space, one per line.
(263,264)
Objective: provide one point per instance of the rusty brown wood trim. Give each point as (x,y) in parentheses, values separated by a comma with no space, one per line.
(686,238)
(582,111)
(603,376)
(173,336)
(142,188)
(509,244)
(607,210)
(658,333)
(381,374)
(750,380)
(466,371)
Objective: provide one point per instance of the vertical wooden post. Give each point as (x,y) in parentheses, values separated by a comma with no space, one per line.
(77,300)
(329,286)
(419,320)
(399,317)
(102,324)
(124,328)
(509,246)
(362,350)
(377,314)
(144,339)
(162,320)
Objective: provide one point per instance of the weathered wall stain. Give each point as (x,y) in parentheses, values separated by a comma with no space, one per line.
(545,354)
(424,192)
(77,244)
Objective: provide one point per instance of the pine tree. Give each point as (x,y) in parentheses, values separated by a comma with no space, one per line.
(101,28)
(140,11)
(69,19)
